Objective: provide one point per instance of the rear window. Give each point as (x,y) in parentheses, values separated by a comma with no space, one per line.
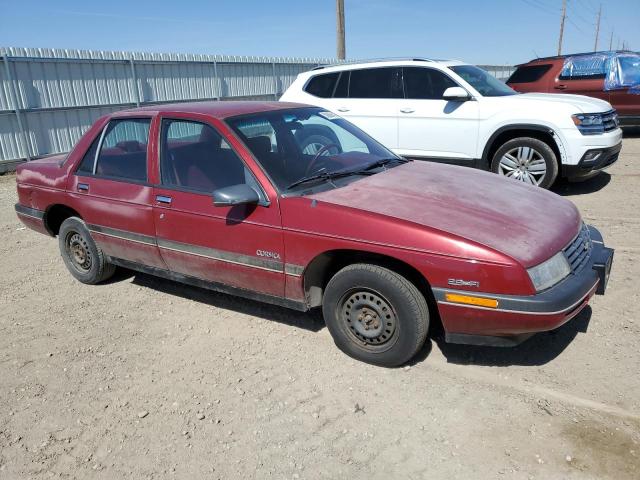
(528,74)
(322,85)
(376,83)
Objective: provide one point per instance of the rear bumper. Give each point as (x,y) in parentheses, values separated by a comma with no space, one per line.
(32,218)
(588,167)
(518,317)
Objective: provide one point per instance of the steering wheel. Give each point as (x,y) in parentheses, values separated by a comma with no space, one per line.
(323,149)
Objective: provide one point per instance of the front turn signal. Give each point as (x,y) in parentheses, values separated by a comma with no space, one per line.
(471,300)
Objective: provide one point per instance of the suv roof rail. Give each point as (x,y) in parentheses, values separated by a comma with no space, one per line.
(553,57)
(373,60)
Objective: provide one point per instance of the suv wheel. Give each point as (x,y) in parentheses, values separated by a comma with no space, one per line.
(528,160)
(82,257)
(375,315)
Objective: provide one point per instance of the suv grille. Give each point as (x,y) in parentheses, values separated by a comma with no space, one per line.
(578,251)
(610,120)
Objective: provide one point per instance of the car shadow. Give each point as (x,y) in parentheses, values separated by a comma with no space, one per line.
(631,132)
(537,350)
(311,320)
(565,188)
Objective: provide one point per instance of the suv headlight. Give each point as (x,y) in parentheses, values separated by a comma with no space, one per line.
(548,273)
(589,123)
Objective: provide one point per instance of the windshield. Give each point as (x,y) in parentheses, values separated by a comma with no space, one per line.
(486,84)
(294,144)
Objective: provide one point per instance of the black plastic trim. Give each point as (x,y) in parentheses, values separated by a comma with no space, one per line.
(122,234)
(29,212)
(218,287)
(462,162)
(506,128)
(608,157)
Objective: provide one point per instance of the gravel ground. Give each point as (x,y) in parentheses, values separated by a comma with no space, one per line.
(143,378)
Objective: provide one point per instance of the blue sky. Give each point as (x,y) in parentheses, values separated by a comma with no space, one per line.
(479,31)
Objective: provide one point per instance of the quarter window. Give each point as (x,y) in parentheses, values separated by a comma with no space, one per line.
(194,156)
(322,85)
(529,74)
(123,153)
(425,83)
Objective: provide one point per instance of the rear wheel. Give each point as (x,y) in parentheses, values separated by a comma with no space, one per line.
(82,257)
(528,160)
(375,315)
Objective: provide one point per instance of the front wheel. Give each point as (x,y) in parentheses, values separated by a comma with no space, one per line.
(528,160)
(82,257)
(375,315)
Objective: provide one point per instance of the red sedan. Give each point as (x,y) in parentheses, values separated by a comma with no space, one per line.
(295,206)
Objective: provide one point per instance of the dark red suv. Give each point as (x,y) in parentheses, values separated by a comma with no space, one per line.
(610,76)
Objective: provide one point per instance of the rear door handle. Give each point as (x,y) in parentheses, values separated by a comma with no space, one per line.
(343,109)
(407,110)
(83,187)
(163,199)
(560,87)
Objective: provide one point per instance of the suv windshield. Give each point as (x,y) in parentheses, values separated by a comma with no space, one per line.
(486,84)
(296,146)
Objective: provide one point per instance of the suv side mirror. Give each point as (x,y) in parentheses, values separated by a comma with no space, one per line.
(241,194)
(456,94)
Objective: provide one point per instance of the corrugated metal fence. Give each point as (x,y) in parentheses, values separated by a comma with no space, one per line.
(50,97)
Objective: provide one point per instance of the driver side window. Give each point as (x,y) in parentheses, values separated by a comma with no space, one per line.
(195,157)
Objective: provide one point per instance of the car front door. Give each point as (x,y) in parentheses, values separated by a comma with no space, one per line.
(431,127)
(239,246)
(112,194)
(369,98)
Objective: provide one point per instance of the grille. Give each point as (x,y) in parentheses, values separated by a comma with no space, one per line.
(578,251)
(610,120)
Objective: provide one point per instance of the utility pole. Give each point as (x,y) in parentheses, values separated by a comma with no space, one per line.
(340,29)
(564,15)
(595,47)
(611,41)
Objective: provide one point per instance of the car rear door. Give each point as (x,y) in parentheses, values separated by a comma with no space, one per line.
(111,191)
(431,127)
(240,246)
(582,76)
(369,98)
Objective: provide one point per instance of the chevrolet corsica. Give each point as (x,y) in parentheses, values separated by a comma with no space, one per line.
(295,206)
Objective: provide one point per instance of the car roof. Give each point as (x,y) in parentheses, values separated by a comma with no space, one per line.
(217,109)
(383,62)
(562,57)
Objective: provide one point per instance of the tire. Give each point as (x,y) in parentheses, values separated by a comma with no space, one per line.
(524,158)
(355,301)
(316,137)
(82,257)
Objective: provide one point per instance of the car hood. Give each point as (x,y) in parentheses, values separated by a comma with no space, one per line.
(526,223)
(580,102)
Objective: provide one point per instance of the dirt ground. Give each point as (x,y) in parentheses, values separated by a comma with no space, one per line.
(142,378)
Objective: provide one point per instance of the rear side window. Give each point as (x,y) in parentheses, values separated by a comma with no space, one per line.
(375,83)
(123,153)
(322,85)
(589,67)
(86,165)
(529,74)
(425,83)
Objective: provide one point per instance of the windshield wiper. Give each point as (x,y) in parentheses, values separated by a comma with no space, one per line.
(324,175)
(383,162)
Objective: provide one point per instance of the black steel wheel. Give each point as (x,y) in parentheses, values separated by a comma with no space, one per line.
(375,314)
(83,258)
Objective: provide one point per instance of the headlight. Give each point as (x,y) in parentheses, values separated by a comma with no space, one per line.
(589,123)
(548,273)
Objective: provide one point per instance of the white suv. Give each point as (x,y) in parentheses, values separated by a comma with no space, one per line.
(453,112)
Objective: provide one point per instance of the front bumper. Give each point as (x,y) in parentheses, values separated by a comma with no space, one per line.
(588,167)
(518,317)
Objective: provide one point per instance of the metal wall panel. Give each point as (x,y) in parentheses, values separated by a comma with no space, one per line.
(50,97)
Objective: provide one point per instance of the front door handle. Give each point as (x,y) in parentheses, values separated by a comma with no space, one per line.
(83,187)
(163,199)
(343,109)
(560,87)
(407,110)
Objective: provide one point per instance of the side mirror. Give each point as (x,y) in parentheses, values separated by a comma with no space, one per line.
(241,194)
(456,94)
